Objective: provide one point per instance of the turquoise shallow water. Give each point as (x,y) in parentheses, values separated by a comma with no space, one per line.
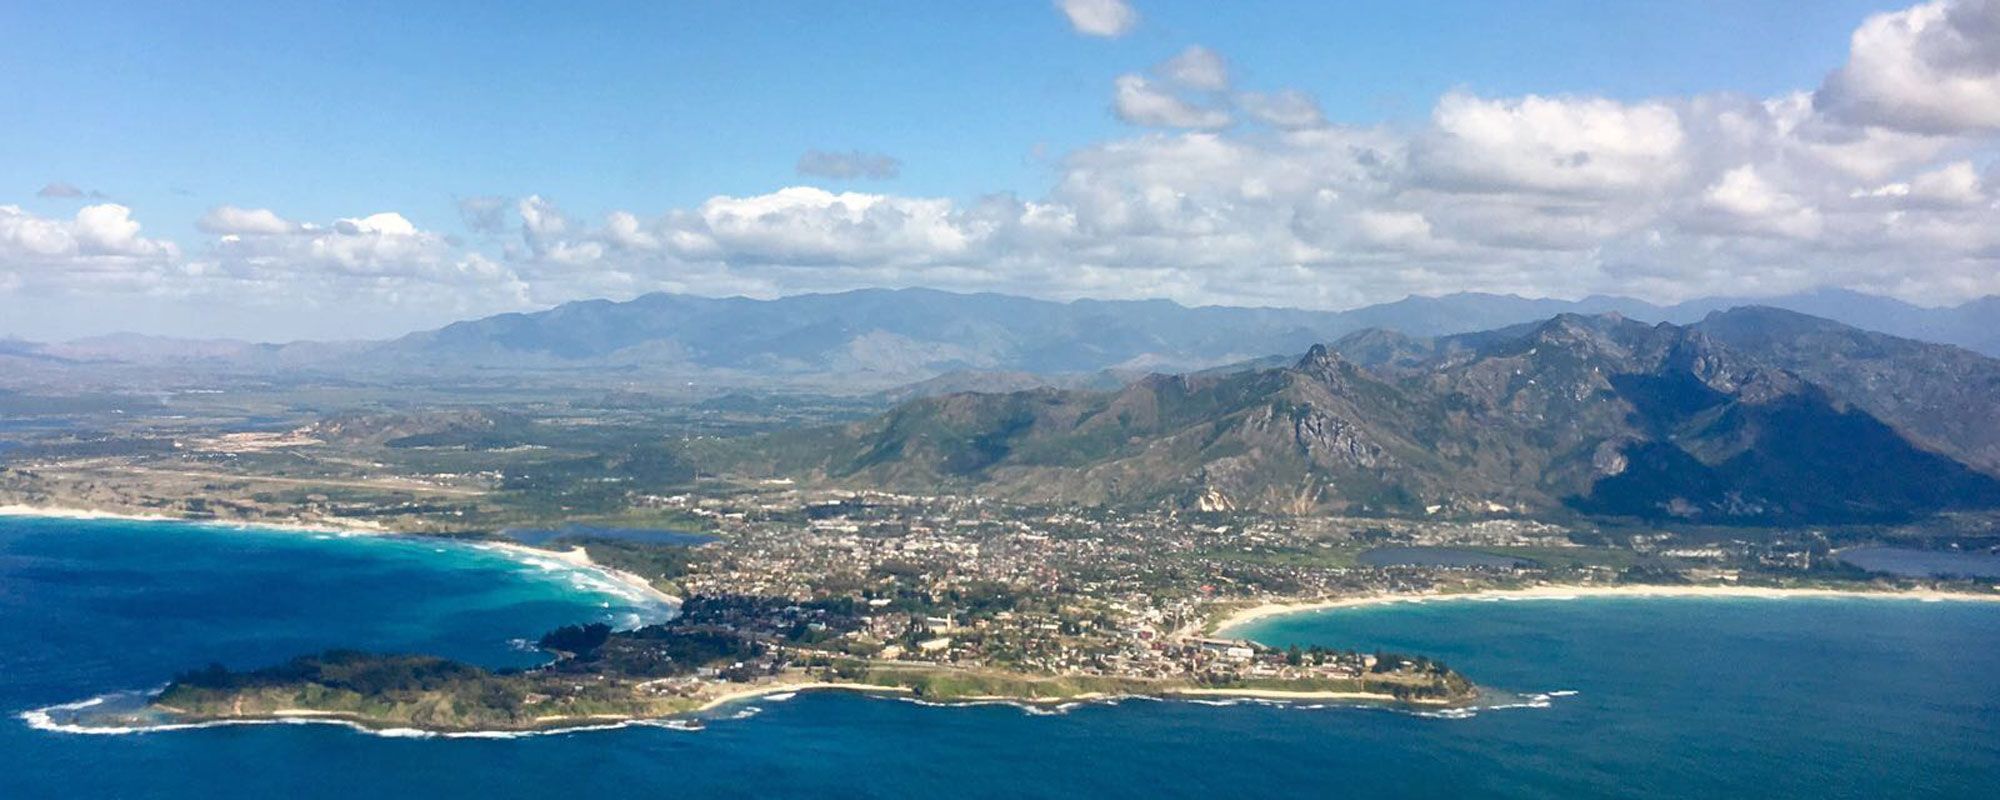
(1673,698)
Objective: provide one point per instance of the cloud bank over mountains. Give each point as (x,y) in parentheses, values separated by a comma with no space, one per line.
(1881,179)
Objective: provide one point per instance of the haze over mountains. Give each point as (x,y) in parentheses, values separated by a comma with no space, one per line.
(871,340)
(1753,415)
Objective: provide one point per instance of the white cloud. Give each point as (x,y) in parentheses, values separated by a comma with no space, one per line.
(1955,184)
(1288,108)
(106,230)
(1196,68)
(624,229)
(543,232)
(26,236)
(1932,68)
(1392,227)
(1107,18)
(100,249)
(1139,102)
(1550,144)
(807,226)
(540,218)
(384,224)
(245,221)
(372,249)
(1748,203)
(109,230)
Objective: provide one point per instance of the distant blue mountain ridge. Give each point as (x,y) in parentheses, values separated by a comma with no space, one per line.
(888,337)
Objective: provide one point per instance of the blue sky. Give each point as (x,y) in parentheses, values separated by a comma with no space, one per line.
(332,109)
(322,112)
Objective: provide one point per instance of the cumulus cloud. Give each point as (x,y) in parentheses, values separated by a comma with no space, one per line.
(1746,202)
(810,226)
(1957,184)
(623,229)
(230,220)
(546,235)
(99,249)
(105,230)
(375,261)
(1139,101)
(1288,108)
(1933,68)
(1550,145)
(380,244)
(1197,68)
(540,219)
(1107,18)
(848,166)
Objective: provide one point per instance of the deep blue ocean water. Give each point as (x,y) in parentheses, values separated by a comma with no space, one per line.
(1673,697)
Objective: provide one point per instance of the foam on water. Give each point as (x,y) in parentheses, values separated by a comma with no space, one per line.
(54,719)
(1494,701)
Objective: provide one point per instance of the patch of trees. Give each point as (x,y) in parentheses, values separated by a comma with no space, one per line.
(364,673)
(577,639)
(671,649)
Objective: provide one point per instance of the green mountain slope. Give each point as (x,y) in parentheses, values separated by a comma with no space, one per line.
(1598,414)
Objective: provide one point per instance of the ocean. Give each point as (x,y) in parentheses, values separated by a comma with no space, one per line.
(1652,697)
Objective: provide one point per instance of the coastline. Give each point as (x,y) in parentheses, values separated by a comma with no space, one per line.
(64,512)
(41,718)
(1246,616)
(577,557)
(1281,694)
(767,690)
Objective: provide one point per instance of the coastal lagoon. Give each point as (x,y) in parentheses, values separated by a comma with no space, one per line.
(1618,697)
(1923,563)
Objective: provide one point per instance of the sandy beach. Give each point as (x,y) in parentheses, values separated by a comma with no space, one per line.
(1243,617)
(54,512)
(767,690)
(580,558)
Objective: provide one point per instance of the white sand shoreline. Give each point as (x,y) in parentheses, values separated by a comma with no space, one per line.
(1243,617)
(580,558)
(575,557)
(61,512)
(766,690)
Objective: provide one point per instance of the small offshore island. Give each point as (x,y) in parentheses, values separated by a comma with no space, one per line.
(722,650)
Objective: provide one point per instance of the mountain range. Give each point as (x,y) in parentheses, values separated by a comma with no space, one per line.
(1754,415)
(879,340)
